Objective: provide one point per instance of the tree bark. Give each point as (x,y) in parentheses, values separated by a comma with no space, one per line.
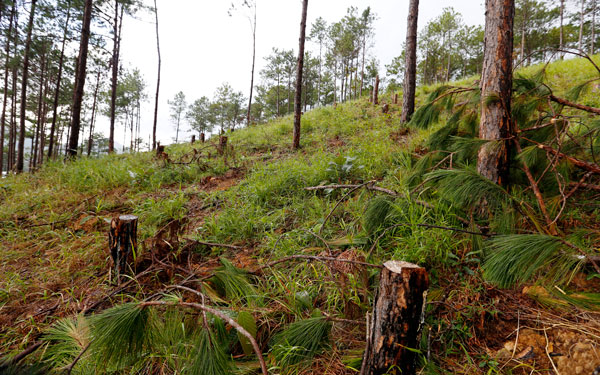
(410,73)
(115,75)
(80,79)
(253,63)
(35,144)
(92,120)
(122,241)
(581,22)
(5,92)
(395,324)
(376,91)
(24,79)
(299,73)
(157,80)
(496,81)
(61,60)
(12,136)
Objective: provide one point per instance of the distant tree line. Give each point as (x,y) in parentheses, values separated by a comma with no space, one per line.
(448,49)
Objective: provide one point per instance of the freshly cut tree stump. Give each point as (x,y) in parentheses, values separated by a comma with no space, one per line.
(396,321)
(122,241)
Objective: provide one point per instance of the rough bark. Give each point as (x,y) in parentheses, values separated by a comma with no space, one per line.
(581,23)
(24,80)
(80,79)
(299,72)
(122,241)
(61,60)
(157,81)
(5,91)
(496,85)
(395,323)
(410,74)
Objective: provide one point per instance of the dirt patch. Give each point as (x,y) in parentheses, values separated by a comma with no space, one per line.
(335,142)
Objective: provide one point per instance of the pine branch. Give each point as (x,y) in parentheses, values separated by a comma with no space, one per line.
(316,258)
(221,315)
(567,103)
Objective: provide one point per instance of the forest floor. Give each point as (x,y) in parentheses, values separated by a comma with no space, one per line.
(250,206)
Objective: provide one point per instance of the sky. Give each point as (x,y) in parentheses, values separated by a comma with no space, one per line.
(203,47)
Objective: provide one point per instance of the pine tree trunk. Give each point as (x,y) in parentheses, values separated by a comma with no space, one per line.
(376,91)
(115,77)
(253,63)
(58,82)
(496,80)
(581,22)
(395,325)
(12,137)
(5,91)
(24,80)
(34,151)
(562,32)
(80,79)
(94,105)
(157,82)
(593,42)
(410,73)
(299,74)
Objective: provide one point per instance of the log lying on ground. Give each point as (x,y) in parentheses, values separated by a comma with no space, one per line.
(122,241)
(396,320)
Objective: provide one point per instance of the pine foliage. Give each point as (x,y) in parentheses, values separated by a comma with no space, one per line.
(300,341)
(517,258)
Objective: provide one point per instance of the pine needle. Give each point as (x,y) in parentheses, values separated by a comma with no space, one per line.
(301,341)
(209,358)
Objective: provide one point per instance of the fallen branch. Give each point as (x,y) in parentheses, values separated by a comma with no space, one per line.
(221,315)
(578,163)
(314,257)
(70,368)
(585,186)
(369,186)
(210,244)
(582,107)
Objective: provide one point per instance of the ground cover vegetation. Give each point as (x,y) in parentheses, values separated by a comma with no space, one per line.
(256,258)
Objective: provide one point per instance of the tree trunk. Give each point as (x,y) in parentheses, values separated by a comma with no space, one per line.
(562,32)
(581,22)
(12,136)
(410,73)
(496,80)
(593,42)
(115,77)
(376,91)
(94,105)
(122,241)
(299,73)
(396,320)
(80,79)
(157,81)
(5,91)
(24,79)
(253,63)
(58,82)
(35,144)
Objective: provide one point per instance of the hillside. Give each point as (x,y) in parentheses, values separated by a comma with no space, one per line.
(235,228)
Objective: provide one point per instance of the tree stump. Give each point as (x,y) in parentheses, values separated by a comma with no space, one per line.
(122,241)
(193,138)
(202,137)
(396,99)
(396,321)
(222,145)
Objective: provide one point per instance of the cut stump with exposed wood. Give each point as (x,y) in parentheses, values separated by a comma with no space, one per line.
(122,241)
(395,323)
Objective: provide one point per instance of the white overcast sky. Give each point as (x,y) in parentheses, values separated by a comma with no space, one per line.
(202,47)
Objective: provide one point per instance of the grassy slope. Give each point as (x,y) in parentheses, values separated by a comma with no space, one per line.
(54,260)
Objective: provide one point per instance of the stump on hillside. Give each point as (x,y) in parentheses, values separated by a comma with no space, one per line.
(396,99)
(222,145)
(202,137)
(122,241)
(396,320)
(193,138)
